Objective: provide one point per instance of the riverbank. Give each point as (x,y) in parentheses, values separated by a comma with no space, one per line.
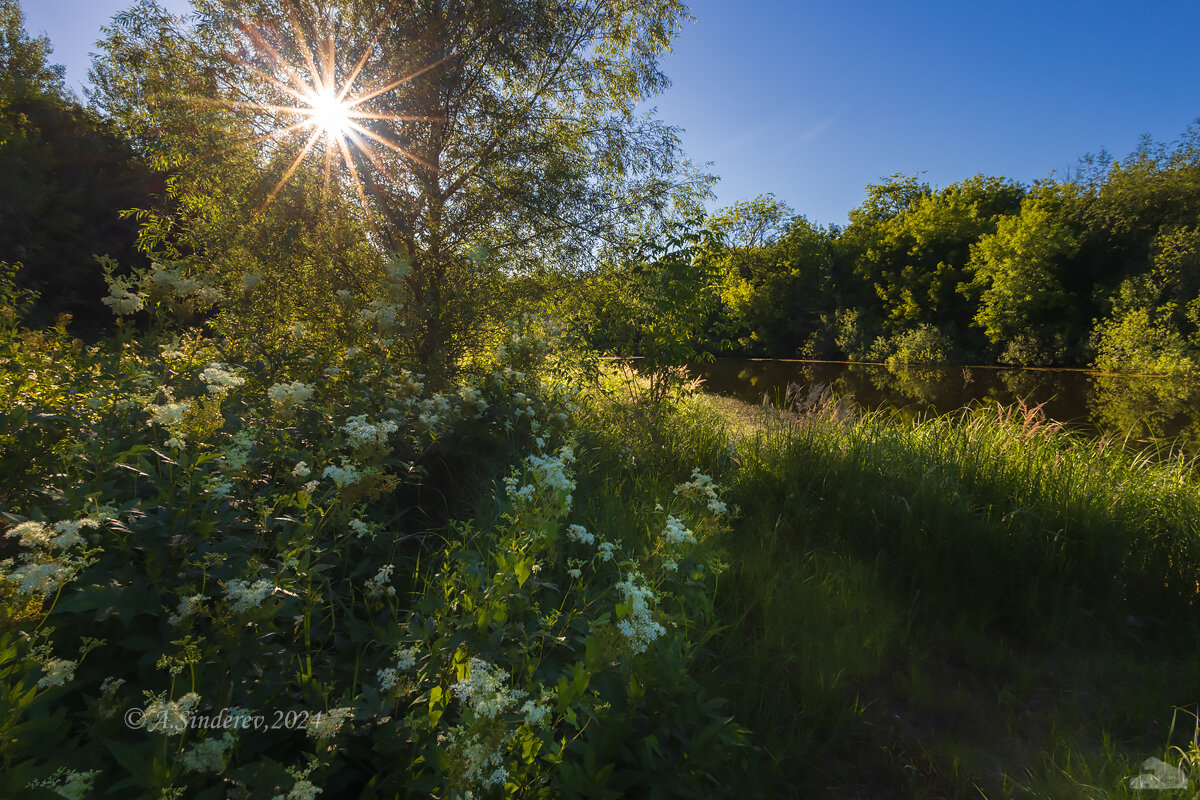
(975,605)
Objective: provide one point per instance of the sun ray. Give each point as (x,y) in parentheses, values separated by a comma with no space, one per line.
(288,174)
(390,145)
(331,103)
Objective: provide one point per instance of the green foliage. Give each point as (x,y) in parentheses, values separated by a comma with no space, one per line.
(656,303)
(64,176)
(1023,306)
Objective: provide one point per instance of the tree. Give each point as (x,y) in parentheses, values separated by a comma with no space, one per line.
(492,136)
(64,176)
(1024,310)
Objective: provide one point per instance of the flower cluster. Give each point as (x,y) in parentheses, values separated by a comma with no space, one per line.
(286,396)
(406,657)
(702,487)
(169,717)
(638,625)
(483,689)
(243,596)
(120,299)
(326,724)
(219,379)
(210,754)
(188,606)
(171,415)
(67,783)
(675,532)
(578,533)
(377,586)
(363,434)
(551,477)
(51,557)
(344,475)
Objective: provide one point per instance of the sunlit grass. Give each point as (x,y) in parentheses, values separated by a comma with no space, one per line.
(977,605)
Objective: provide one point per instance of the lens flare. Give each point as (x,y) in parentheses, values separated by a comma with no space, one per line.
(329,114)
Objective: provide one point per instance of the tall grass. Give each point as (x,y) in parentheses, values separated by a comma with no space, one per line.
(977,604)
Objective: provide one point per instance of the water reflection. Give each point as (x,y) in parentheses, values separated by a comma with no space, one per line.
(1139,409)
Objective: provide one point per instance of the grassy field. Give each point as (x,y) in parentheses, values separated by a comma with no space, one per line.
(977,605)
(522,587)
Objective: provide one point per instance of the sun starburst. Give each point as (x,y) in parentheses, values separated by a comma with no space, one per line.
(317,99)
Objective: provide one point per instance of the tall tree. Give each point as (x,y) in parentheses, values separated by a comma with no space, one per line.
(64,178)
(474,135)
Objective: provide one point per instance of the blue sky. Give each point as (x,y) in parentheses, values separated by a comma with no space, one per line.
(813,101)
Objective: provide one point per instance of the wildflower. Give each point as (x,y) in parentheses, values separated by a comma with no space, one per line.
(210,754)
(406,657)
(57,671)
(605,551)
(580,534)
(219,380)
(363,434)
(326,724)
(574,573)
(670,566)
(301,470)
(289,395)
(170,716)
(67,783)
(701,486)
(343,476)
(537,715)
(638,626)
(388,678)
(362,529)
(187,607)
(121,300)
(675,532)
(483,689)
(243,597)
(302,788)
(376,586)
(484,762)
(310,487)
(169,415)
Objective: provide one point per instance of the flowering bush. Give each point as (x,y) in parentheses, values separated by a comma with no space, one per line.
(195,540)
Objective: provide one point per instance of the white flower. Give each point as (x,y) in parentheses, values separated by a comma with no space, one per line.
(406,657)
(537,715)
(574,573)
(326,724)
(243,597)
(187,607)
(483,690)
(701,486)
(170,716)
(343,476)
(57,672)
(605,551)
(362,529)
(388,678)
(580,534)
(289,395)
(670,566)
(210,754)
(311,486)
(301,470)
(638,627)
(219,380)
(675,532)
(378,585)
(67,783)
(363,434)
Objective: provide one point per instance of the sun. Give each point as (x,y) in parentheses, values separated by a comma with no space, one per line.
(329,114)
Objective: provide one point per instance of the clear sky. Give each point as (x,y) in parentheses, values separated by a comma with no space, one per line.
(813,101)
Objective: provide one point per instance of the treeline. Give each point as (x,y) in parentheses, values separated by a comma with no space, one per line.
(1099,269)
(65,174)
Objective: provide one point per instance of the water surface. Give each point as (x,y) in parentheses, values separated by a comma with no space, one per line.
(1143,410)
